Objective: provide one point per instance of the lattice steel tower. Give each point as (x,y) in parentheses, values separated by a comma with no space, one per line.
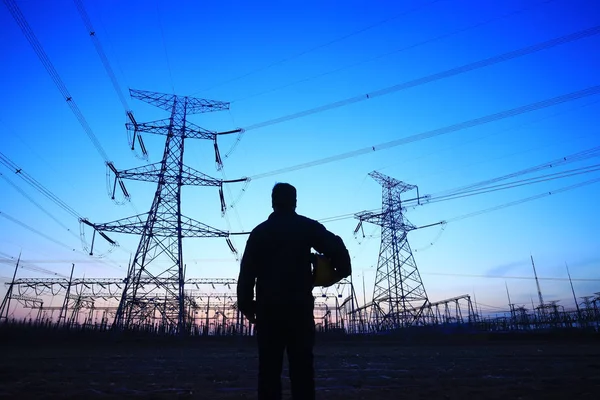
(151,286)
(398,294)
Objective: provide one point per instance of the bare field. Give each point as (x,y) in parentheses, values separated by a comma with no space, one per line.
(96,366)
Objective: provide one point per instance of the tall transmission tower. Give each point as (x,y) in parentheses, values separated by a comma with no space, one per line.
(163,228)
(399,297)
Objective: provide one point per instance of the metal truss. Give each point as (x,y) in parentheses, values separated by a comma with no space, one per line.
(210,304)
(399,295)
(163,227)
(165,101)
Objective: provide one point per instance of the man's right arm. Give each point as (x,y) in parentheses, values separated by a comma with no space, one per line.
(333,247)
(247,278)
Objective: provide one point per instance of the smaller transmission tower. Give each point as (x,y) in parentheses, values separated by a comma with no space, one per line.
(399,296)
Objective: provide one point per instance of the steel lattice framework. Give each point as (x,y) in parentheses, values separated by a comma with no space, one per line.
(163,227)
(399,296)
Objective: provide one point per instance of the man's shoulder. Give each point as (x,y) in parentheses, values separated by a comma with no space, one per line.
(260,227)
(308,222)
(274,221)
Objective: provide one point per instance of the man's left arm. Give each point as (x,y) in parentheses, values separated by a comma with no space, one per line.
(247,279)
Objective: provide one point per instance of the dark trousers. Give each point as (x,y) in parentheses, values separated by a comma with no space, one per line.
(276,333)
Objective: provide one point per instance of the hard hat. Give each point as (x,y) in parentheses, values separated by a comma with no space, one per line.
(323,272)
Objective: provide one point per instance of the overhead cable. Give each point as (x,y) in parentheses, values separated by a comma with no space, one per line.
(590,91)
(38,205)
(396,51)
(320,46)
(525,200)
(98,46)
(39,50)
(434,77)
(8,163)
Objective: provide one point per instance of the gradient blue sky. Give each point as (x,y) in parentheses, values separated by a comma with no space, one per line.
(271,59)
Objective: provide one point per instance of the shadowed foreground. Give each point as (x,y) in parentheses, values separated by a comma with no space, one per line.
(73,365)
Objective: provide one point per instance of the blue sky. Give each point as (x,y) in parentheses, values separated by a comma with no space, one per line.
(272,59)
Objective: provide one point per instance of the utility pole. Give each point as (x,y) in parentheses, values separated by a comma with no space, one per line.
(399,296)
(510,305)
(164,227)
(573,291)
(65,306)
(537,282)
(5,307)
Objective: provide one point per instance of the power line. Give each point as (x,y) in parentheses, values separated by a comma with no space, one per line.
(431,78)
(39,206)
(320,46)
(522,182)
(576,157)
(34,268)
(31,229)
(39,50)
(463,192)
(519,126)
(98,46)
(396,51)
(8,163)
(53,240)
(162,35)
(525,200)
(593,90)
(510,277)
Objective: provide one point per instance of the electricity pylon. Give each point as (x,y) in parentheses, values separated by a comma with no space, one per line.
(163,228)
(399,296)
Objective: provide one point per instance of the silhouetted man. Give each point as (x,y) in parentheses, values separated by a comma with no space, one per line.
(278,259)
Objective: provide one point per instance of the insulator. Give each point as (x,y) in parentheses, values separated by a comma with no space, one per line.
(218,159)
(93,239)
(125,193)
(231,247)
(142,145)
(131,118)
(110,165)
(114,189)
(109,240)
(222,197)
(85,221)
(358,227)
(239,130)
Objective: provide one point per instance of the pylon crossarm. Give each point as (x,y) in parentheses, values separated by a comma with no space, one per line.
(369,216)
(27,299)
(165,101)
(132,225)
(152,173)
(158,127)
(193,131)
(163,126)
(160,100)
(193,228)
(195,105)
(193,177)
(146,173)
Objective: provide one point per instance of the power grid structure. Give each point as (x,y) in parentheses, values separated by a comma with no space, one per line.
(210,305)
(163,228)
(399,296)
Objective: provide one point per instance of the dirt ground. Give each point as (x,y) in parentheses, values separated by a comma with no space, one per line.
(213,368)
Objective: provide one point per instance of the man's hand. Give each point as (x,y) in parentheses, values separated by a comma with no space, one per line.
(251,318)
(249,311)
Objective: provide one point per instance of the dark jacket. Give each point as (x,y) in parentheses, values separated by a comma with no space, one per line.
(278,259)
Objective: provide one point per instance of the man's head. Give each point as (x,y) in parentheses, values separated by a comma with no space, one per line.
(283,197)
